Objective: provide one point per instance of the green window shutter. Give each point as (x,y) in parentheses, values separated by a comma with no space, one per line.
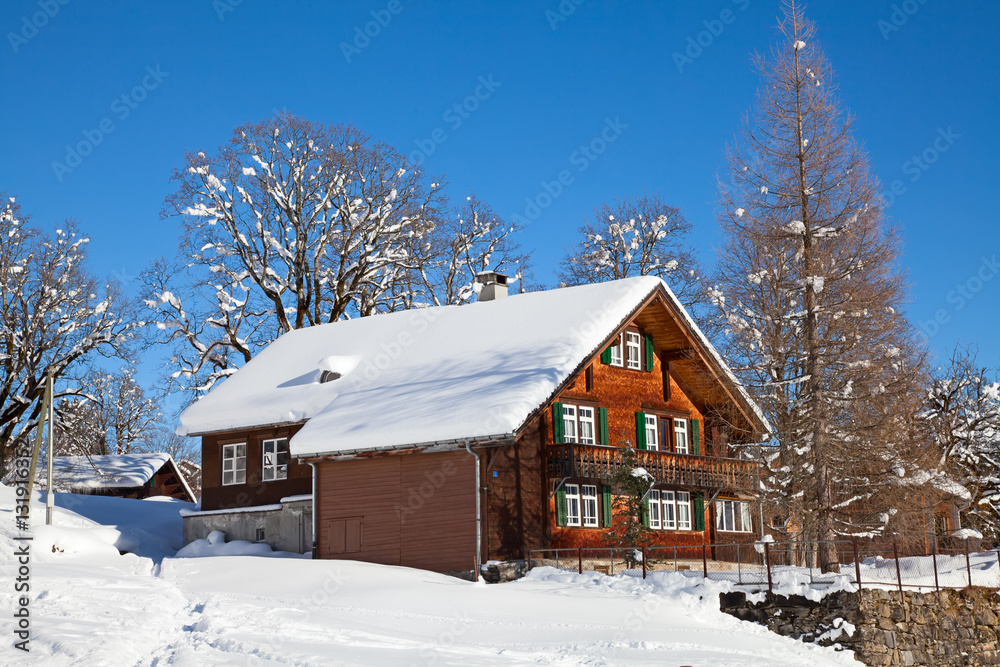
(606,356)
(561,511)
(602,426)
(699,512)
(649,352)
(640,430)
(558,426)
(606,506)
(695,438)
(645,512)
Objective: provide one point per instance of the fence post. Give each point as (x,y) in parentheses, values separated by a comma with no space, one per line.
(767,561)
(611,562)
(739,569)
(644,562)
(937,586)
(529,560)
(968,566)
(899,575)
(704,560)
(579,559)
(857,566)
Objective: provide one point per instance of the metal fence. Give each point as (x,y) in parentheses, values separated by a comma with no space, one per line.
(770,565)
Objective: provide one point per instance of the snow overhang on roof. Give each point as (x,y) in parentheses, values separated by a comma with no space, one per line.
(112,471)
(432,375)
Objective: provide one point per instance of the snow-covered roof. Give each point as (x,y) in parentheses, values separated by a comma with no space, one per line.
(423,376)
(113,471)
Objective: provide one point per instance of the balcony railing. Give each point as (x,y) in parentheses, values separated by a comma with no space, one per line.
(706,472)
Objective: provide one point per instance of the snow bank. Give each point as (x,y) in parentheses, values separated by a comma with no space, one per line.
(215,545)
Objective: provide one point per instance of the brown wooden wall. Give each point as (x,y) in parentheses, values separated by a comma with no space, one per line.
(254,492)
(416,510)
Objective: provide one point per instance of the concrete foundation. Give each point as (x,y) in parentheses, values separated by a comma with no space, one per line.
(285,527)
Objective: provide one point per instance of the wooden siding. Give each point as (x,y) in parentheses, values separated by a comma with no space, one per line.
(253,492)
(416,510)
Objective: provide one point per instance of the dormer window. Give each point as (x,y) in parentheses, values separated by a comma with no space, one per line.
(328,376)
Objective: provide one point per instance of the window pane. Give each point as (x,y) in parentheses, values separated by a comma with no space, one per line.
(572,505)
(587,425)
(747,526)
(227,477)
(680,436)
(632,350)
(669,522)
(683,510)
(569,423)
(729,519)
(616,354)
(654,509)
(589,505)
(652,439)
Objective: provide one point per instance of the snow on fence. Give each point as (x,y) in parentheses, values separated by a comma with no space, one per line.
(770,565)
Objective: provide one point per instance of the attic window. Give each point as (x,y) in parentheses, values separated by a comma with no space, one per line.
(329,376)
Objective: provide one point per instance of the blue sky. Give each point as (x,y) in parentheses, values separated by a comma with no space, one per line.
(924,86)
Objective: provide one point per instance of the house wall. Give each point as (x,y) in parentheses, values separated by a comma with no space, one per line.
(416,510)
(285,529)
(254,491)
(520,504)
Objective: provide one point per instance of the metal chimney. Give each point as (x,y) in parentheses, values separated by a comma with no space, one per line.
(494,286)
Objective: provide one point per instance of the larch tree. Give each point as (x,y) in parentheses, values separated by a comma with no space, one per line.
(963,414)
(810,293)
(636,236)
(111,414)
(54,316)
(293,224)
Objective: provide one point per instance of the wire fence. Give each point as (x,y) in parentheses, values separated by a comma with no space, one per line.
(770,565)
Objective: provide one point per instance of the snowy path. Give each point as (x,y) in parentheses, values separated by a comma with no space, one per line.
(91,606)
(258,611)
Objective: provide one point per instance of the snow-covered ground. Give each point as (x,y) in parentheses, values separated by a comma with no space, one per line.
(92,606)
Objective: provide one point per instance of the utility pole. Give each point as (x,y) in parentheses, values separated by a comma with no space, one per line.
(50,496)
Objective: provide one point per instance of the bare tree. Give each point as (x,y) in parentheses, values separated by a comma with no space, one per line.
(111,415)
(472,240)
(811,294)
(290,224)
(963,413)
(637,236)
(54,315)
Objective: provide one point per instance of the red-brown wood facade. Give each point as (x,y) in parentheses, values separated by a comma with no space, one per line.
(253,491)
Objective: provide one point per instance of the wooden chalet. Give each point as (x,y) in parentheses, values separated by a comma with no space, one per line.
(444,437)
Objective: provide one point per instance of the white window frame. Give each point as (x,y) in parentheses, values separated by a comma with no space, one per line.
(654,509)
(573,505)
(733,516)
(669,510)
(684,510)
(274,471)
(633,342)
(652,433)
(569,423)
(681,444)
(588,505)
(585,414)
(232,456)
(616,352)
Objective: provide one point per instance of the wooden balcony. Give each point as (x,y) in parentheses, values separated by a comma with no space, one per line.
(704,472)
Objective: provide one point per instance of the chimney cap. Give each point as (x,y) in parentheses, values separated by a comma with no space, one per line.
(491,278)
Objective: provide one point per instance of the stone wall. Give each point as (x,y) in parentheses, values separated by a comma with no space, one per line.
(950,628)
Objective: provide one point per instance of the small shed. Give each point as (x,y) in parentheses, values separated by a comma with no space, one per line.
(120,475)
